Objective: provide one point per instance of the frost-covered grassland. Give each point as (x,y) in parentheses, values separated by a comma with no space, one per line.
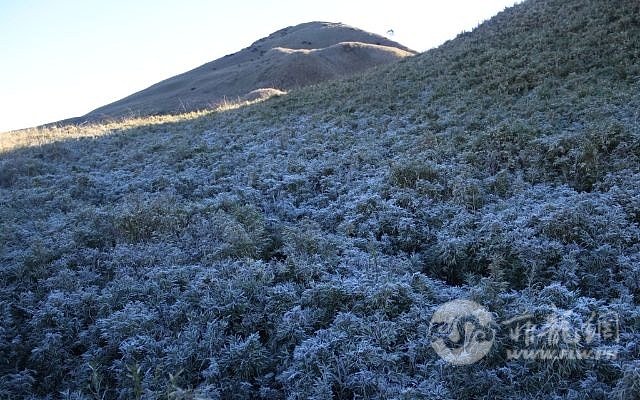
(298,248)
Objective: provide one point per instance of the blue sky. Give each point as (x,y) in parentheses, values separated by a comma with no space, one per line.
(63,58)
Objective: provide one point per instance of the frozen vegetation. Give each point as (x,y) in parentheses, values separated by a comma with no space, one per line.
(298,248)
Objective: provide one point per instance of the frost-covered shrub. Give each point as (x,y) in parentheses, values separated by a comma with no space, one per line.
(629,385)
(501,148)
(545,234)
(14,385)
(306,240)
(468,192)
(147,219)
(298,248)
(582,158)
(409,173)
(623,186)
(20,167)
(96,229)
(231,230)
(244,358)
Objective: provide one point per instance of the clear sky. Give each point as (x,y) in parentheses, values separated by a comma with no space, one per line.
(63,58)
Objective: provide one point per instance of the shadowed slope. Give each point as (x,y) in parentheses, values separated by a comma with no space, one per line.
(298,248)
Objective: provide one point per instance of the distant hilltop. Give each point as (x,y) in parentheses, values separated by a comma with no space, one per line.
(292,57)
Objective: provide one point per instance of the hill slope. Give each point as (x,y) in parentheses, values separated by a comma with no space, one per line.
(299,248)
(292,57)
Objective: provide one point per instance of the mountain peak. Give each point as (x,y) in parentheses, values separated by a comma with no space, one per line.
(276,61)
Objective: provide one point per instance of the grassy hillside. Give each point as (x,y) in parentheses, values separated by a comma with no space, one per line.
(290,58)
(298,248)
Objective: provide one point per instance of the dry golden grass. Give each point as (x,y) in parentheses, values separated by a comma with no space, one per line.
(38,136)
